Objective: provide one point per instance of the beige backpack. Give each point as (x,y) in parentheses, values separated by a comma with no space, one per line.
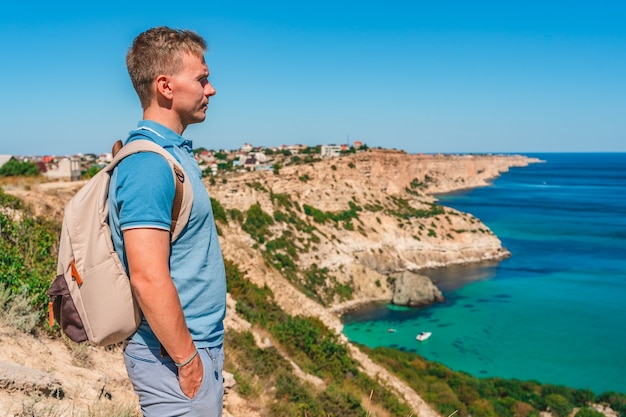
(91,297)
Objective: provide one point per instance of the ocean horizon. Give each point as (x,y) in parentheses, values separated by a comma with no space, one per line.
(554,311)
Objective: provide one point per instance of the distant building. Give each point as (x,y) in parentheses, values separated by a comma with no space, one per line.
(263,167)
(296,149)
(330,151)
(104,158)
(250,163)
(4,159)
(260,157)
(66,169)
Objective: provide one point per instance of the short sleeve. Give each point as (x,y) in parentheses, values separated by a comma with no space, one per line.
(144,192)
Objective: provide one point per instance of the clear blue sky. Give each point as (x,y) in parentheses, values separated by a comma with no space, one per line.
(422,76)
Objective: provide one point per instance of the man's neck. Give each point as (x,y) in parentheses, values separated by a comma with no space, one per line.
(164,117)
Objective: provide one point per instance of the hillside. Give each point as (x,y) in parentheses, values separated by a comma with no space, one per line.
(322,237)
(362,219)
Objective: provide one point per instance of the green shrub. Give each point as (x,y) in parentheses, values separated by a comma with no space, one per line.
(344,291)
(91,171)
(257,223)
(257,186)
(403,209)
(582,397)
(281,200)
(318,215)
(340,403)
(236,215)
(344,216)
(218,211)
(559,405)
(15,168)
(616,400)
(588,412)
(28,249)
(294,399)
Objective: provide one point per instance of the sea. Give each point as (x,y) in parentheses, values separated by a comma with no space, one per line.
(555,310)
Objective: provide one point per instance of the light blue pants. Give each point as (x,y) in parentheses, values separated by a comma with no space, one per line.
(155,380)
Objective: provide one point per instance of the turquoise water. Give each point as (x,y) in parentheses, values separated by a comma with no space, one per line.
(555,311)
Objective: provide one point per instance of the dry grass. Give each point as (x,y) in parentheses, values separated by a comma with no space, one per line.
(17,311)
(109,409)
(36,407)
(21,182)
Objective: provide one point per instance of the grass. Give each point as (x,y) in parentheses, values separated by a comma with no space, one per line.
(17,310)
(37,407)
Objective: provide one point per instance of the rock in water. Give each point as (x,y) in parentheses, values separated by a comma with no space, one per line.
(414,290)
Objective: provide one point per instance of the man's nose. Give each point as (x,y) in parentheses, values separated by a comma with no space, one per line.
(209,90)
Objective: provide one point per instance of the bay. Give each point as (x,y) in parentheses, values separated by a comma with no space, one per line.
(555,311)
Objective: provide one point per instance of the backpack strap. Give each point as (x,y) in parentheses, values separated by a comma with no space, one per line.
(181,207)
(178,197)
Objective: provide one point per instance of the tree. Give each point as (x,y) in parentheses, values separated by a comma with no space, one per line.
(559,405)
(91,171)
(15,168)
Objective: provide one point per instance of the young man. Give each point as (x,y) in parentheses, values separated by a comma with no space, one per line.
(175,358)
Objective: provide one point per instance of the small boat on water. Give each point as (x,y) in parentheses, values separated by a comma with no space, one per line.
(423,336)
(391,330)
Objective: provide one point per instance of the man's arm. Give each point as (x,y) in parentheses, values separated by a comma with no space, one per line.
(148,252)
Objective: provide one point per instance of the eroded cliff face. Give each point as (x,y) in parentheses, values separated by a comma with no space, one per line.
(393,223)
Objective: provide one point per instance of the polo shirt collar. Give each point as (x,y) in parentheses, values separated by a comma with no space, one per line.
(164,136)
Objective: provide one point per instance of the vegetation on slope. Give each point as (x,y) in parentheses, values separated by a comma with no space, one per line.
(486,397)
(27,262)
(265,375)
(312,346)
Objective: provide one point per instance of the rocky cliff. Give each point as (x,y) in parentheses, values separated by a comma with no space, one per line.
(358,219)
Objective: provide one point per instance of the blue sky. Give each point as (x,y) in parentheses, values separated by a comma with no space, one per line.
(422,76)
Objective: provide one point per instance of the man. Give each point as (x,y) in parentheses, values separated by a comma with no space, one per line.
(175,358)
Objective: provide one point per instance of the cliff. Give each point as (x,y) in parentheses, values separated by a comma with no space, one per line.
(361,219)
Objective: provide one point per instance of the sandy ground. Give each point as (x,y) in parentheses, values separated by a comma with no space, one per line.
(32,368)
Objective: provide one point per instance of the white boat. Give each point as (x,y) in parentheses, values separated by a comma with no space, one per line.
(423,336)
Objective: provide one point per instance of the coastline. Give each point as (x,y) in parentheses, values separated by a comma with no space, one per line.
(550,288)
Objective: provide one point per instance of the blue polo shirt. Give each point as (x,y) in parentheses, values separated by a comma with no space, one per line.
(141,195)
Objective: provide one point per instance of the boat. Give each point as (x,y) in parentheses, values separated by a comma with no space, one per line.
(391,330)
(423,336)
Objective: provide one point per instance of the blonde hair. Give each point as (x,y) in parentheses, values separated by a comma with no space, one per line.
(159,51)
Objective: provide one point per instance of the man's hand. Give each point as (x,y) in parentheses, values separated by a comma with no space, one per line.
(190,377)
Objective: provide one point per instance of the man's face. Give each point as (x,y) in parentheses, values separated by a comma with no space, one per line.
(191,90)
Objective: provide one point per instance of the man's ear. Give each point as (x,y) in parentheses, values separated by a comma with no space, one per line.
(163,87)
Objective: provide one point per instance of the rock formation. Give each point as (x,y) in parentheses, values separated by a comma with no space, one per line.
(414,290)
